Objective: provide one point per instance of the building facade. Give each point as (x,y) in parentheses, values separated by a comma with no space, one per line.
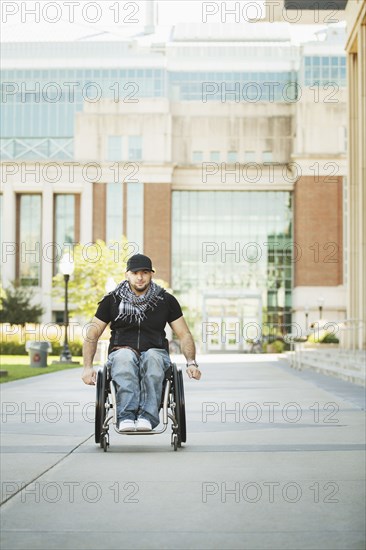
(354,14)
(221,155)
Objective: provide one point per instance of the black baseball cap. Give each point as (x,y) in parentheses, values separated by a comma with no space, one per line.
(139,262)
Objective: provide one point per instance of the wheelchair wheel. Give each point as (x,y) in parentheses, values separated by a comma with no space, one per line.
(100,411)
(180,409)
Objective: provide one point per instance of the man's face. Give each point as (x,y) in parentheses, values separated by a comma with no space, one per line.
(139,280)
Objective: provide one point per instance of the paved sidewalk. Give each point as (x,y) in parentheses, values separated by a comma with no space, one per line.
(274,460)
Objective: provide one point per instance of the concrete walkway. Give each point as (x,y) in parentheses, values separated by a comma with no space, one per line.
(274,460)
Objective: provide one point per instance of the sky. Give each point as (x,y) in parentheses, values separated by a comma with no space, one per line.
(126,16)
(192,11)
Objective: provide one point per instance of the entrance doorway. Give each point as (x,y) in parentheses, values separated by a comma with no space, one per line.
(230,320)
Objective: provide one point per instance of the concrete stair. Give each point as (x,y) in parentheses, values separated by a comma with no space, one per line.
(346,364)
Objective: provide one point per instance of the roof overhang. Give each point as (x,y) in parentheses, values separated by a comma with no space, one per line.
(310,5)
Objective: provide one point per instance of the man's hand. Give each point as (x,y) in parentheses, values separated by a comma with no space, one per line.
(193,372)
(89,376)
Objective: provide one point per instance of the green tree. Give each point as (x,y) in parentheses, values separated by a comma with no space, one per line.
(16,305)
(94,265)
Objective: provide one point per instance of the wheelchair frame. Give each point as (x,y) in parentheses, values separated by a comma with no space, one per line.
(172,398)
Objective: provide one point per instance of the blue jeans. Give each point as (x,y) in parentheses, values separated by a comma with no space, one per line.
(139,382)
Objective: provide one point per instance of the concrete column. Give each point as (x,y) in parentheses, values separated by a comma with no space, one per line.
(352,113)
(356,292)
(86,213)
(361,179)
(8,254)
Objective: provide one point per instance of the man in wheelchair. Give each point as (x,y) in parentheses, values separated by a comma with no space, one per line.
(138,310)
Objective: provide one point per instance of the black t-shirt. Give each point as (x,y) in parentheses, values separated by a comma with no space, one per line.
(149,333)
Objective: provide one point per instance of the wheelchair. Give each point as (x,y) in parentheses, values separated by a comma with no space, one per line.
(172,400)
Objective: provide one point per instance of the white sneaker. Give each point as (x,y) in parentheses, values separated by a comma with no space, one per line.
(143,425)
(127,426)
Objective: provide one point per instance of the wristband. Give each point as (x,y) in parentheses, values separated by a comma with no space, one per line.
(192,364)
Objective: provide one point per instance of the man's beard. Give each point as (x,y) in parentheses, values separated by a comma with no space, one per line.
(139,289)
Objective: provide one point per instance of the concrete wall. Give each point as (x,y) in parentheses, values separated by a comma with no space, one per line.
(148,118)
(231,127)
(320,121)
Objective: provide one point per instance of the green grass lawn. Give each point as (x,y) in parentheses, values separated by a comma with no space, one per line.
(18,367)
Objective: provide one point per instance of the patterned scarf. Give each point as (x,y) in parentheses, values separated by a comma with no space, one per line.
(133,308)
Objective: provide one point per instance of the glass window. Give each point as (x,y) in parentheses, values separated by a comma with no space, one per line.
(114,152)
(211,250)
(197,156)
(135,214)
(64,224)
(325,74)
(215,156)
(134,147)
(30,239)
(191,85)
(58,317)
(114,212)
(267,156)
(232,157)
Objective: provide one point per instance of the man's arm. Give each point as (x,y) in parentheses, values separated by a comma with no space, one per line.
(94,330)
(186,345)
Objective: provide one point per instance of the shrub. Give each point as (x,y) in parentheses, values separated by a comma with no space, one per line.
(16,305)
(330,339)
(323,337)
(12,348)
(275,346)
(13,340)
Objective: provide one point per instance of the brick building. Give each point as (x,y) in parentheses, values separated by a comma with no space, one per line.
(220,154)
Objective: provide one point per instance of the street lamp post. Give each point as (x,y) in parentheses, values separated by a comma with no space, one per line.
(67,269)
(320,304)
(306,319)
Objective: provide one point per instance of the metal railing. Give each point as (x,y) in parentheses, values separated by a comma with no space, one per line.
(349,332)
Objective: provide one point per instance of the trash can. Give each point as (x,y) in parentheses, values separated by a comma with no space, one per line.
(38,353)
